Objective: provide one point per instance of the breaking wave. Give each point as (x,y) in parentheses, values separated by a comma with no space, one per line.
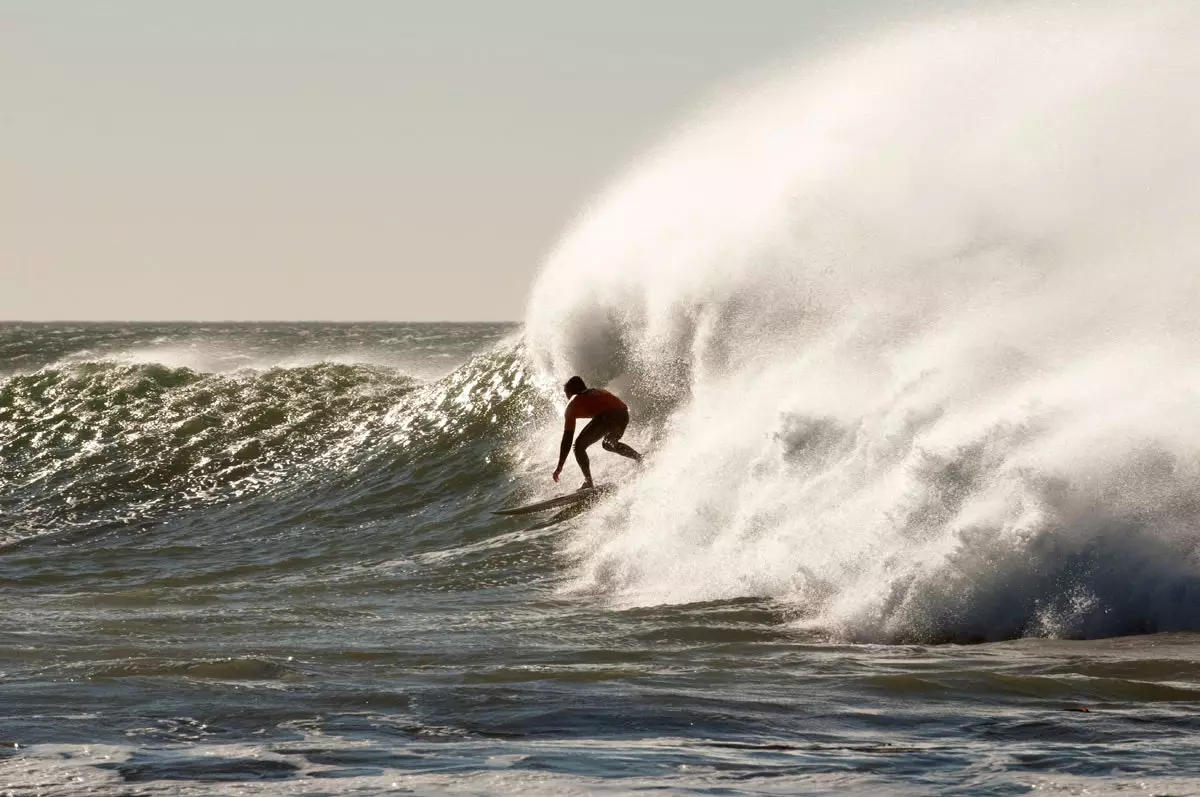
(912,329)
(118,443)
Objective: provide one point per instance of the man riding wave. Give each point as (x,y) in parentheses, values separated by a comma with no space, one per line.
(609,417)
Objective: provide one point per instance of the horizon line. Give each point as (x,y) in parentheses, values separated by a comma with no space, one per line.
(242,321)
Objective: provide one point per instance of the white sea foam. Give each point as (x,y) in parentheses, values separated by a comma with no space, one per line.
(916,326)
(206,358)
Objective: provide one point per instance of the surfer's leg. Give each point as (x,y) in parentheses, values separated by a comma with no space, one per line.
(612,439)
(624,449)
(591,433)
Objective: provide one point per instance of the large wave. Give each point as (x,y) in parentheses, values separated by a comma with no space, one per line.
(916,324)
(123,443)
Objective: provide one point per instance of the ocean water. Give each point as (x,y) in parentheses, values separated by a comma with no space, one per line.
(261,559)
(909,331)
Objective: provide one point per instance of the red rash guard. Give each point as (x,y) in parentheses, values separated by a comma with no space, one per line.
(591,403)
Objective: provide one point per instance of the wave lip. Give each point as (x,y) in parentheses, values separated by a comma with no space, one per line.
(914,326)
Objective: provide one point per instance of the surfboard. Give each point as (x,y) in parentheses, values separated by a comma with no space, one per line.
(579,496)
(572,510)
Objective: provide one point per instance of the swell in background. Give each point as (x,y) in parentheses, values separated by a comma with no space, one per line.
(121,428)
(911,329)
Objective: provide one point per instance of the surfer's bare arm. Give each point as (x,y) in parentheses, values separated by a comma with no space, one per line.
(565,448)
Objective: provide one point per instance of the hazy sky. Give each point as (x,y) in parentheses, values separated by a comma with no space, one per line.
(337,159)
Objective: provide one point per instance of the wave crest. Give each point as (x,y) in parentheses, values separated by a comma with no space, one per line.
(115,442)
(915,324)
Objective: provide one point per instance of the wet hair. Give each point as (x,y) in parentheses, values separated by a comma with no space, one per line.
(574,386)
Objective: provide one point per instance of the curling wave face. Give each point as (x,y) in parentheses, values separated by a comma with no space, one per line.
(915,329)
(111,437)
(117,442)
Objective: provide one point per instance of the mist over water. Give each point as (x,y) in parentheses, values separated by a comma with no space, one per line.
(912,333)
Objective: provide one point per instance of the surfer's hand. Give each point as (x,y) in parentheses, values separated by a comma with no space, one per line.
(555,476)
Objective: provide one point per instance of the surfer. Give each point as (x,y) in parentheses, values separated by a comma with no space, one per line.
(609,417)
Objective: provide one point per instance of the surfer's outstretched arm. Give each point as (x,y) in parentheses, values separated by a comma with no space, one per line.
(565,448)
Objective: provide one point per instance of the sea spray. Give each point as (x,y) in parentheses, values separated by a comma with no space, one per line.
(915,328)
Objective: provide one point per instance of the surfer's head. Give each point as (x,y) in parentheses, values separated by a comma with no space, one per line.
(574,386)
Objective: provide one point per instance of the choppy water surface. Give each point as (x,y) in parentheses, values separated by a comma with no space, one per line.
(338,612)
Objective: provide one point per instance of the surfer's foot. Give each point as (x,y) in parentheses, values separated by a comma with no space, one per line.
(587,486)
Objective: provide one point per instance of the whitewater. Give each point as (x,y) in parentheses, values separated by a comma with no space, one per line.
(920,324)
(908,331)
